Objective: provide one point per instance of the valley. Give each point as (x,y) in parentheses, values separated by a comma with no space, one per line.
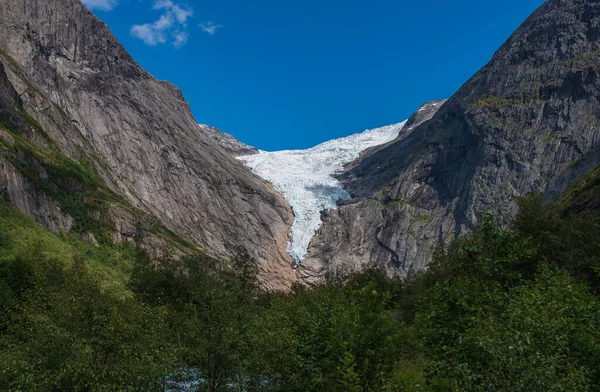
(143,251)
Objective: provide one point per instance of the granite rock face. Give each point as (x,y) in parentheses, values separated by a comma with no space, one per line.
(424,113)
(27,199)
(227,142)
(529,121)
(95,103)
(13,184)
(346,244)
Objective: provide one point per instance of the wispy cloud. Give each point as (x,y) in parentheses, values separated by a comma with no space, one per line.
(170,27)
(210,27)
(104,5)
(180,39)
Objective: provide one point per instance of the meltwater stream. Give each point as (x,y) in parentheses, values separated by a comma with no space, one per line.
(305,178)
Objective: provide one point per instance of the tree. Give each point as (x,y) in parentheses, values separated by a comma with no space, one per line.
(348,377)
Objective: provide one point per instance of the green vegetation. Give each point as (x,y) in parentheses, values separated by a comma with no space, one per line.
(60,110)
(77,187)
(394,203)
(32,122)
(572,163)
(586,60)
(176,241)
(493,102)
(15,67)
(499,310)
(424,219)
(586,190)
(20,235)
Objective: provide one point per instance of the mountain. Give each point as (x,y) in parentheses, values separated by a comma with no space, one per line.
(94,144)
(91,143)
(227,142)
(306,178)
(424,113)
(529,121)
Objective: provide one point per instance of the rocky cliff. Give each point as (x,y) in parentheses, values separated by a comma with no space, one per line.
(529,121)
(227,142)
(424,113)
(81,119)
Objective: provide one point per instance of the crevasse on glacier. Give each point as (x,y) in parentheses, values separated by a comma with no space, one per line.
(305,178)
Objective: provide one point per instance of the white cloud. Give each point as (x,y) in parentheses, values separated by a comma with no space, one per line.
(210,27)
(172,25)
(180,39)
(181,14)
(160,4)
(149,34)
(104,5)
(165,22)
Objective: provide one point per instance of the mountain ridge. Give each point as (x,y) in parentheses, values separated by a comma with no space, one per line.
(523,121)
(75,103)
(228,142)
(97,104)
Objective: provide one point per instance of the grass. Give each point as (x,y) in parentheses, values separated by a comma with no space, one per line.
(177,241)
(572,163)
(32,122)
(60,111)
(493,101)
(586,60)
(586,188)
(76,186)
(424,219)
(395,203)
(21,235)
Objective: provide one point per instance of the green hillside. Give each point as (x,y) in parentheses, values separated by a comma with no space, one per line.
(498,310)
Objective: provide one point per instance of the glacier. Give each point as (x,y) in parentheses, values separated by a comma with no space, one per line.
(306,178)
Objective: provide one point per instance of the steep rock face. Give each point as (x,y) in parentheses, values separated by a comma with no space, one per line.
(307,180)
(13,184)
(347,240)
(27,199)
(139,134)
(424,113)
(227,142)
(527,122)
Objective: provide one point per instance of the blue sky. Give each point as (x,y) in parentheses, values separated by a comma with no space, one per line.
(290,74)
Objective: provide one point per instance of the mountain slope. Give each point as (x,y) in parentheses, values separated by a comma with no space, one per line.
(527,122)
(227,142)
(306,178)
(99,107)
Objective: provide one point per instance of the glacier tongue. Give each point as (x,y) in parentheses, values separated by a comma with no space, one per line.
(305,178)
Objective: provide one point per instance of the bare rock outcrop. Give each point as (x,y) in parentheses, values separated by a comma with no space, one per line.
(228,142)
(30,201)
(527,122)
(353,239)
(96,104)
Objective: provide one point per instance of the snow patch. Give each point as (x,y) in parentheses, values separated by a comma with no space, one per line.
(305,178)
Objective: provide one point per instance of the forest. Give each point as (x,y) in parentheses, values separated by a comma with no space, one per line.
(513,306)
